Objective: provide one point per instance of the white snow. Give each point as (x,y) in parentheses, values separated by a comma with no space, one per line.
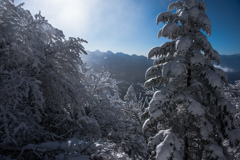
(197,59)
(153,82)
(167,45)
(195,107)
(226,105)
(202,6)
(146,125)
(152,72)
(159,60)
(156,114)
(159,137)
(189,3)
(215,56)
(233,136)
(179,98)
(167,144)
(213,78)
(131,95)
(200,36)
(183,15)
(202,40)
(154,52)
(221,74)
(162,50)
(206,23)
(160,95)
(197,84)
(153,105)
(164,16)
(203,18)
(177,68)
(216,151)
(183,44)
(174,5)
(205,127)
(194,12)
(170,30)
(166,69)
(174,68)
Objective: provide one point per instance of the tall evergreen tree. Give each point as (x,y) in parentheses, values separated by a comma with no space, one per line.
(130,95)
(188,118)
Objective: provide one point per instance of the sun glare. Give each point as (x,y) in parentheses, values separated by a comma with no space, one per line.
(105,24)
(72,14)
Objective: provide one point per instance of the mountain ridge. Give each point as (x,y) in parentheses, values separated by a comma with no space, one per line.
(132,68)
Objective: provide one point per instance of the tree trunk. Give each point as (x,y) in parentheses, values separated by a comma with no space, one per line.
(189,77)
(186,145)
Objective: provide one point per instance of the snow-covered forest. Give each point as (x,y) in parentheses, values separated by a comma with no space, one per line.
(54,106)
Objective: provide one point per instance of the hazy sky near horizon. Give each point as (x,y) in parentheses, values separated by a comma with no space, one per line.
(129,26)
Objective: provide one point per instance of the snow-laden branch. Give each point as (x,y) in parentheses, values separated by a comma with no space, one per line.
(163,50)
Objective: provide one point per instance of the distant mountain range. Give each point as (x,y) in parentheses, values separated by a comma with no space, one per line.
(131,68)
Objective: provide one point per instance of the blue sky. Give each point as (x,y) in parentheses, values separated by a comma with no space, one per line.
(129,26)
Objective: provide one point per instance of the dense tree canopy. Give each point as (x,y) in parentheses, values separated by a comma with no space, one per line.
(51,105)
(43,93)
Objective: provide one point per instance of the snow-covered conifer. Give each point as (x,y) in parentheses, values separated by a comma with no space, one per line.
(107,100)
(130,95)
(189,118)
(134,141)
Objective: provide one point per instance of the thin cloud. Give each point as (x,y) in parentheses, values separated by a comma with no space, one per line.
(225,69)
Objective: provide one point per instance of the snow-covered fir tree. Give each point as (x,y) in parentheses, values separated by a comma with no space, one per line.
(106,110)
(188,118)
(130,95)
(134,141)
